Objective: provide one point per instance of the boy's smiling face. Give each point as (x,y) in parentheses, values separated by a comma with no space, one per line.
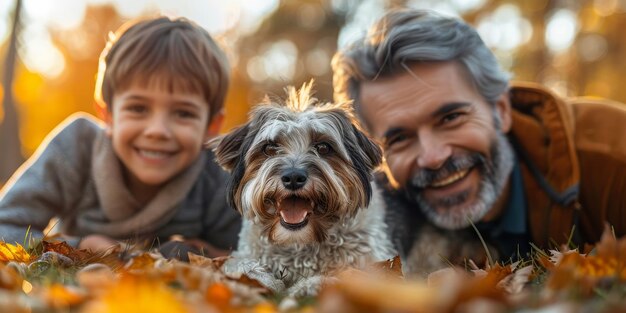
(156,133)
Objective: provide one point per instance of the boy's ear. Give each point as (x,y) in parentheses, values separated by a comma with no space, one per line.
(213,129)
(104,113)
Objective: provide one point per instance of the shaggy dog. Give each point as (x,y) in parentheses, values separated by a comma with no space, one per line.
(301,178)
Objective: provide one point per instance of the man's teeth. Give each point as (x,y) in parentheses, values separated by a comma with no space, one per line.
(154,154)
(450,179)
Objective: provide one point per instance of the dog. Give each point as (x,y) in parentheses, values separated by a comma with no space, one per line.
(301,176)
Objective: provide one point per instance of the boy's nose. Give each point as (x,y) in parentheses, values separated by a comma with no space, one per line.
(158,128)
(432,153)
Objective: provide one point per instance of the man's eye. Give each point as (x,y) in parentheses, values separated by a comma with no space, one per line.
(396,139)
(270,149)
(323,148)
(451,117)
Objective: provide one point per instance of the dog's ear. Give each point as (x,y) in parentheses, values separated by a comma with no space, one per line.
(227,148)
(371,150)
(366,155)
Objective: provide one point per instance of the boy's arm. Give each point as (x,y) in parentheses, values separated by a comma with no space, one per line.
(45,186)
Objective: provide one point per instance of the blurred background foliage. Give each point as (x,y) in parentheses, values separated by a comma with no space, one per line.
(49,49)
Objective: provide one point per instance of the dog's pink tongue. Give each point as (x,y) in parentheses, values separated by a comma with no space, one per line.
(294,210)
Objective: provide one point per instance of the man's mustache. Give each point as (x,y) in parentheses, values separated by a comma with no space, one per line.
(425,177)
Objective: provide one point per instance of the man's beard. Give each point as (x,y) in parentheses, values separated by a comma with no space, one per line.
(494,173)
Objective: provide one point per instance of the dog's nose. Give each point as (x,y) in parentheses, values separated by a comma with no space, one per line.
(294,179)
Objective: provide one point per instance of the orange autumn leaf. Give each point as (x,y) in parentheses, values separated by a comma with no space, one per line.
(60,296)
(17,253)
(264,307)
(10,279)
(201,261)
(141,262)
(360,291)
(63,248)
(138,294)
(390,267)
(248,281)
(219,295)
(485,286)
(606,262)
(220,260)
(59,247)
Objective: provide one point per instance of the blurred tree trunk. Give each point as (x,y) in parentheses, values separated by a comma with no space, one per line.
(11,157)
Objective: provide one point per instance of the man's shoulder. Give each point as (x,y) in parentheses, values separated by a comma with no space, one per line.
(600,126)
(596,125)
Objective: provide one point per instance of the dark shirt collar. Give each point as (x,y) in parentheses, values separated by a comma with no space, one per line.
(514,219)
(509,233)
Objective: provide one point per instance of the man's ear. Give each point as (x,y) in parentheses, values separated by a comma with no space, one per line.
(503,109)
(214,127)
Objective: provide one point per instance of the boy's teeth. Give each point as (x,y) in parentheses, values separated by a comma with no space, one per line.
(153,154)
(450,179)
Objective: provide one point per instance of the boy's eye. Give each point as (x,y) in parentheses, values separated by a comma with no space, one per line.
(185,114)
(136,108)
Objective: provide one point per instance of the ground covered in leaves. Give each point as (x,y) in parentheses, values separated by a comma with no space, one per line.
(53,277)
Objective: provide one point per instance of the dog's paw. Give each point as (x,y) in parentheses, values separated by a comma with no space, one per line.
(268,280)
(309,286)
(253,269)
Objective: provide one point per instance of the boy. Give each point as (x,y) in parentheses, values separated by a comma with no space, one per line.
(144,175)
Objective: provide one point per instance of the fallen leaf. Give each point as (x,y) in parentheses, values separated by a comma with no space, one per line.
(142,261)
(138,294)
(9,252)
(61,296)
(219,295)
(390,267)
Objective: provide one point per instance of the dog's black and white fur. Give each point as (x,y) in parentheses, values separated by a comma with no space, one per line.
(301,178)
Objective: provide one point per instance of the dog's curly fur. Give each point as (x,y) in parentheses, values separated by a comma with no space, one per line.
(301,176)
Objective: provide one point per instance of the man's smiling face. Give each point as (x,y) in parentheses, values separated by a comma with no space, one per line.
(444,144)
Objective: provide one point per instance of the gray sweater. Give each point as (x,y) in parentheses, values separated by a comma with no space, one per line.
(76,177)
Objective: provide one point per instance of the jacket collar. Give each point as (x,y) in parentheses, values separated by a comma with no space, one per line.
(542,135)
(543,126)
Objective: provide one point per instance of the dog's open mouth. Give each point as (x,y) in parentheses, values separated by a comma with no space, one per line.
(294,212)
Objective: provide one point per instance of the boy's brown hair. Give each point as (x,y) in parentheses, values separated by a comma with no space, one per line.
(175,52)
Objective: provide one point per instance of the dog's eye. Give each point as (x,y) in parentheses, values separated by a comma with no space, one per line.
(323,148)
(270,149)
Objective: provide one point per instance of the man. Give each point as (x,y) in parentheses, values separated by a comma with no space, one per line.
(467,148)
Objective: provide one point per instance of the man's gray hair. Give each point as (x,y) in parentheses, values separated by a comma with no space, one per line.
(403,37)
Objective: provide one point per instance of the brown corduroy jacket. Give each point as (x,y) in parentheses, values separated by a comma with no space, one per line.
(573,155)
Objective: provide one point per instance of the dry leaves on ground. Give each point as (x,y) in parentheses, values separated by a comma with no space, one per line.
(54,277)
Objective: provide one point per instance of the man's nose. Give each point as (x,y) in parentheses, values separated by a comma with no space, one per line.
(158,127)
(433,152)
